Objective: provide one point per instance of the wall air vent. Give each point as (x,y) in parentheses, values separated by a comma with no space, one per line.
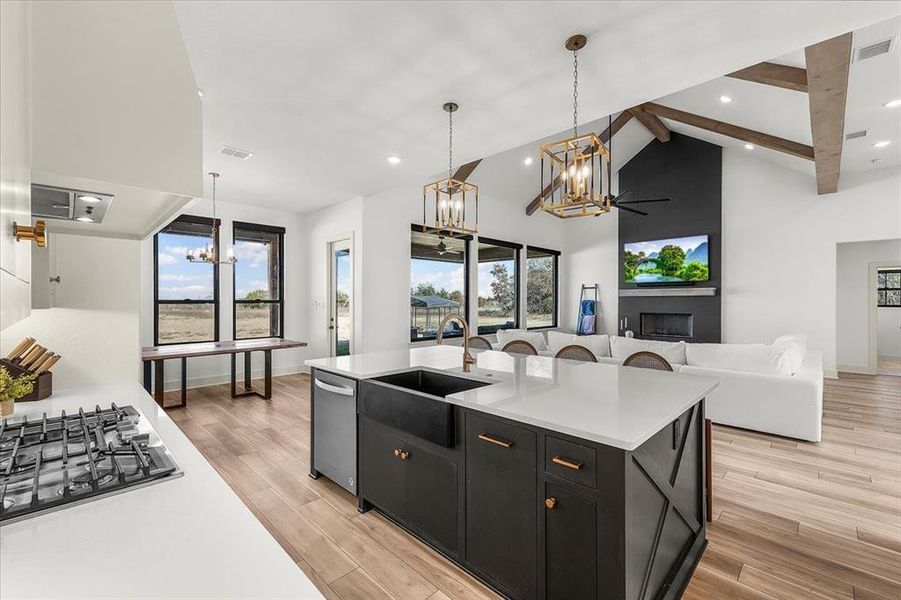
(865,52)
(50,202)
(235,152)
(856,134)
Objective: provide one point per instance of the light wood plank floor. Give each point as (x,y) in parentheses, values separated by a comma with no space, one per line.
(793,520)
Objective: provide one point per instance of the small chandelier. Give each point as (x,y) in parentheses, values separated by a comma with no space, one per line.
(456,203)
(574,167)
(210,254)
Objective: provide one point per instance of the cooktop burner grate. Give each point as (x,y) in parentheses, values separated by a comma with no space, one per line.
(57,461)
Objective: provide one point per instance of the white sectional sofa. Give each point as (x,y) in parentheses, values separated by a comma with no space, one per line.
(774,388)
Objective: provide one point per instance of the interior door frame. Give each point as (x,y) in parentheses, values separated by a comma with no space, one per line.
(330,244)
(873,314)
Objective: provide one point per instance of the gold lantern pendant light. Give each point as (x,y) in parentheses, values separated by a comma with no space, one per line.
(574,167)
(210,254)
(456,203)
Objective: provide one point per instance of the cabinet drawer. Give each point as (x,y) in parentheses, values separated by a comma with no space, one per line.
(571,461)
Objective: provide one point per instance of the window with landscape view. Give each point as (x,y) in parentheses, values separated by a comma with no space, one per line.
(498,285)
(438,283)
(186,294)
(888,288)
(258,290)
(541,287)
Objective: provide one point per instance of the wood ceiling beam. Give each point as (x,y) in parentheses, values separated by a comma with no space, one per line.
(828,64)
(783,76)
(651,123)
(734,131)
(618,123)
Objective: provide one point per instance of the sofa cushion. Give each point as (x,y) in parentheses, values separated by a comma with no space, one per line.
(795,344)
(536,338)
(598,344)
(754,358)
(623,347)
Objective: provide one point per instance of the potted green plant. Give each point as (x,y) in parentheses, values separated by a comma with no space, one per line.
(13,388)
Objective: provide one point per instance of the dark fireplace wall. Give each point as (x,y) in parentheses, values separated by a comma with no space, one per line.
(690,172)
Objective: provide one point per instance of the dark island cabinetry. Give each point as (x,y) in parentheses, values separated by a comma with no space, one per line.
(540,515)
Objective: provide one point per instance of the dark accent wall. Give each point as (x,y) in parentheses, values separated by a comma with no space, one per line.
(689,171)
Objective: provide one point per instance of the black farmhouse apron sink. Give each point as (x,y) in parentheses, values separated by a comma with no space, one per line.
(412,401)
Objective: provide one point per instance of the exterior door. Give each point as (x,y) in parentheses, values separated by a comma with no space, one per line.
(340,319)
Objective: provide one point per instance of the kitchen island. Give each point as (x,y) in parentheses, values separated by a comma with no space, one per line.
(544,478)
(189,537)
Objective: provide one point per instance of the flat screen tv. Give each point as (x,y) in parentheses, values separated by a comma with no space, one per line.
(673,260)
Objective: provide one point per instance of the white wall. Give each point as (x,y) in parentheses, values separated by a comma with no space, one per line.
(15,159)
(854,304)
(215,369)
(94,325)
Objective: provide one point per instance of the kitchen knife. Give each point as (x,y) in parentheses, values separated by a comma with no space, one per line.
(37,360)
(35,351)
(20,349)
(45,366)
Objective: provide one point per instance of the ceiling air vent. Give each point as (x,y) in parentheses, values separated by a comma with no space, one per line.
(235,152)
(856,134)
(865,52)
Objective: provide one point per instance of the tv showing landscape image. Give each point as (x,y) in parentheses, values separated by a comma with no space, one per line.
(667,261)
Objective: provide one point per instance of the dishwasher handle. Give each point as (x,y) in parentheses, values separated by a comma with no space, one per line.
(335,389)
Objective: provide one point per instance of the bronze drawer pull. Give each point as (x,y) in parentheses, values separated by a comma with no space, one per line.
(575,466)
(496,441)
(401,454)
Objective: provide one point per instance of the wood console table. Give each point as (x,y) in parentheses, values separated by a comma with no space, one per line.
(158,354)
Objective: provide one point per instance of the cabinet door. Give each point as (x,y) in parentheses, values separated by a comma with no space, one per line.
(381,472)
(571,545)
(502,503)
(430,483)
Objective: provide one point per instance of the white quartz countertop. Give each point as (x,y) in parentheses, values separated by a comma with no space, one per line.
(189,537)
(613,405)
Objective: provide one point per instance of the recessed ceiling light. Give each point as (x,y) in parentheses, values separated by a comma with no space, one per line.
(527,161)
(893,103)
(749,146)
(200,92)
(84,219)
(394,160)
(89,198)
(881,144)
(877,161)
(725,99)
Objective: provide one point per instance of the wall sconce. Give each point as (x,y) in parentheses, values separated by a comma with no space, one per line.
(36,233)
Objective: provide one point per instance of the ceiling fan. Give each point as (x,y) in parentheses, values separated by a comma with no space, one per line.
(442,248)
(623,198)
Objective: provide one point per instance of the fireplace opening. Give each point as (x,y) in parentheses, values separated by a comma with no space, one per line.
(667,325)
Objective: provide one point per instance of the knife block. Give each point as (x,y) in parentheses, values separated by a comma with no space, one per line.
(43,385)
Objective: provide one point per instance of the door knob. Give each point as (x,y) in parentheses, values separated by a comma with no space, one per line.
(550,503)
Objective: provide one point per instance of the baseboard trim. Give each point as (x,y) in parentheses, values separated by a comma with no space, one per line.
(220,378)
(856,369)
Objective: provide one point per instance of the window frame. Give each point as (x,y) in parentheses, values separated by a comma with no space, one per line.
(517,279)
(556,315)
(280,231)
(195,220)
(467,239)
(887,289)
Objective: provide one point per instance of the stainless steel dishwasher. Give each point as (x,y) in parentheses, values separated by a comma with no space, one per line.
(334,447)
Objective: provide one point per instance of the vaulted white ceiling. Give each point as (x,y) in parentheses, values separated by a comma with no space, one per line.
(323,92)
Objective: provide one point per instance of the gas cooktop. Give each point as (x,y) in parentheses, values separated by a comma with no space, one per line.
(55,462)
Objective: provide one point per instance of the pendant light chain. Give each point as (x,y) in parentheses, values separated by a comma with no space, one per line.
(450,144)
(575,93)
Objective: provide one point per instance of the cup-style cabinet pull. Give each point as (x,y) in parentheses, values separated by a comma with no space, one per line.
(550,503)
(569,464)
(401,454)
(496,441)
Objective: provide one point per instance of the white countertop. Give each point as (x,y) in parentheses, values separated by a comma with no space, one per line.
(609,404)
(189,537)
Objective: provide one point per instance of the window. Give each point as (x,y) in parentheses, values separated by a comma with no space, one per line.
(498,285)
(541,287)
(186,294)
(438,283)
(258,288)
(888,288)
